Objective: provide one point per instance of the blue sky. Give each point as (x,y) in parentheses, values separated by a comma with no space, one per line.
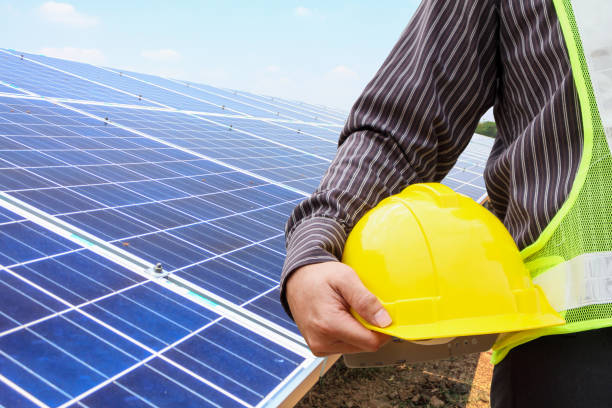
(317,51)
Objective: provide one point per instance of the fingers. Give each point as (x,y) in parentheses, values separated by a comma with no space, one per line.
(362,300)
(353,332)
(341,333)
(320,297)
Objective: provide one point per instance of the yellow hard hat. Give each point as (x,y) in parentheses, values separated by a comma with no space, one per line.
(443,266)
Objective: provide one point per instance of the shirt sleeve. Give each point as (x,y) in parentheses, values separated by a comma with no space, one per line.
(409,125)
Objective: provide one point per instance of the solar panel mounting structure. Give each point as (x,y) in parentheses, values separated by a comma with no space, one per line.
(141,237)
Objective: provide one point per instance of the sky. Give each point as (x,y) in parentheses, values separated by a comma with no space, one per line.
(321,52)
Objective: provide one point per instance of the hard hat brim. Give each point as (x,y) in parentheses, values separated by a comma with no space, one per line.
(468,326)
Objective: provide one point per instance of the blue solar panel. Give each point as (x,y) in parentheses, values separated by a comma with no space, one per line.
(21,303)
(228,102)
(466,177)
(318,131)
(316,145)
(9,89)
(233,346)
(170,93)
(74,324)
(151,204)
(268,307)
(281,154)
(317,113)
(26,241)
(130,213)
(121,180)
(158,383)
(130,85)
(234,101)
(9,397)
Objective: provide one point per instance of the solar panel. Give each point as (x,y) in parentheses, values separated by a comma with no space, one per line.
(318,113)
(72,336)
(141,223)
(466,176)
(8,89)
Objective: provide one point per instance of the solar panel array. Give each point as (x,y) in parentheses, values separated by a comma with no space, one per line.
(141,236)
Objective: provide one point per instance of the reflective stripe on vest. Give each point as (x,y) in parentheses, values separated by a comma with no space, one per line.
(582,281)
(572,258)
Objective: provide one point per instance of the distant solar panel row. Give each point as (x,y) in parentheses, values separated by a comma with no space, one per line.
(197,178)
(74,80)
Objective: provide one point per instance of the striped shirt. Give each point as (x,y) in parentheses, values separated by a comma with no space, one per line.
(454,61)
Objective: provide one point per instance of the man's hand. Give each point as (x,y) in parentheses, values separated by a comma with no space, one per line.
(320,297)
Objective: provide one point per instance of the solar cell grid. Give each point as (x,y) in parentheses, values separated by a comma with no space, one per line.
(125,82)
(332,128)
(274,156)
(167,92)
(231,98)
(228,102)
(338,114)
(9,397)
(466,176)
(21,303)
(272,160)
(263,364)
(216,130)
(282,133)
(77,347)
(152,211)
(7,216)
(311,111)
(67,334)
(9,90)
(328,115)
(24,241)
(41,257)
(268,307)
(318,131)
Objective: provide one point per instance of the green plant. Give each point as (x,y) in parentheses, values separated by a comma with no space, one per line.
(487,128)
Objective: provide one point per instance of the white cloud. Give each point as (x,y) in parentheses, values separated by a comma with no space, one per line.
(343,72)
(302,11)
(161,55)
(89,55)
(66,14)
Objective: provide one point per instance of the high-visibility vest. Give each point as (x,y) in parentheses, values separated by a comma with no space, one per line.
(572,258)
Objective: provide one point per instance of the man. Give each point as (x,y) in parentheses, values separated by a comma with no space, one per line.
(548,179)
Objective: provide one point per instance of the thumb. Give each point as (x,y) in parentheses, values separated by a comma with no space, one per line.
(363,301)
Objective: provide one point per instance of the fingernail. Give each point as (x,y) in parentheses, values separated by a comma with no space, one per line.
(382,318)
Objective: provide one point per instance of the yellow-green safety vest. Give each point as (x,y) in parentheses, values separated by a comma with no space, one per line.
(572,258)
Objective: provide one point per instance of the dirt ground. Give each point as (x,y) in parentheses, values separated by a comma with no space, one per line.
(458,382)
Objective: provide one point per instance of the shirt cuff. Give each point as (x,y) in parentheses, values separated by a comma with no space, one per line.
(314,240)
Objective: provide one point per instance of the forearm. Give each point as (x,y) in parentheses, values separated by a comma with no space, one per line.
(367,168)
